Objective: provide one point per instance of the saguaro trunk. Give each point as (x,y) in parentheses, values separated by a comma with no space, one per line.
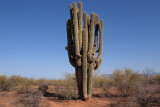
(83,42)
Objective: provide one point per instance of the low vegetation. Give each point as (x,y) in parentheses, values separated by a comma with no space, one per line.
(31,98)
(5,83)
(141,90)
(67,87)
(138,89)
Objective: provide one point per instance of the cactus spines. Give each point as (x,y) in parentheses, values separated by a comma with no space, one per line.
(84,40)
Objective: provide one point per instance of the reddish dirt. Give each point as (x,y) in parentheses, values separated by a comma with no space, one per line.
(9,99)
(78,103)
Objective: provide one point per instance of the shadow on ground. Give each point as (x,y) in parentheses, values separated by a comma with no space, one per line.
(57,96)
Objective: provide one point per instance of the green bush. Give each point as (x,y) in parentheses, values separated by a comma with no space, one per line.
(99,81)
(21,84)
(58,83)
(41,81)
(108,88)
(5,83)
(17,81)
(22,88)
(156,79)
(125,80)
(67,90)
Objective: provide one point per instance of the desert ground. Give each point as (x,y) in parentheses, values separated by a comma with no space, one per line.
(50,99)
(124,88)
(9,99)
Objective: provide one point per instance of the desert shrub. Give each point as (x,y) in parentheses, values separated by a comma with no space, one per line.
(58,83)
(99,81)
(68,89)
(104,83)
(147,76)
(22,88)
(31,81)
(43,81)
(156,79)
(21,84)
(16,80)
(30,98)
(5,83)
(121,102)
(125,80)
(146,92)
(109,89)
(67,92)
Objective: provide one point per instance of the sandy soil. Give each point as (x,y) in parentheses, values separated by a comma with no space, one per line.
(9,99)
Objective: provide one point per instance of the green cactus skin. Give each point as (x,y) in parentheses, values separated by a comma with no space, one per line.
(84,40)
(84,62)
(80,25)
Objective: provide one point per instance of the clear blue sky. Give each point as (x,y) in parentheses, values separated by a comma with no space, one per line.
(33,36)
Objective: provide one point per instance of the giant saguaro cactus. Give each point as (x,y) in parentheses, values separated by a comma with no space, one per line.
(84,46)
